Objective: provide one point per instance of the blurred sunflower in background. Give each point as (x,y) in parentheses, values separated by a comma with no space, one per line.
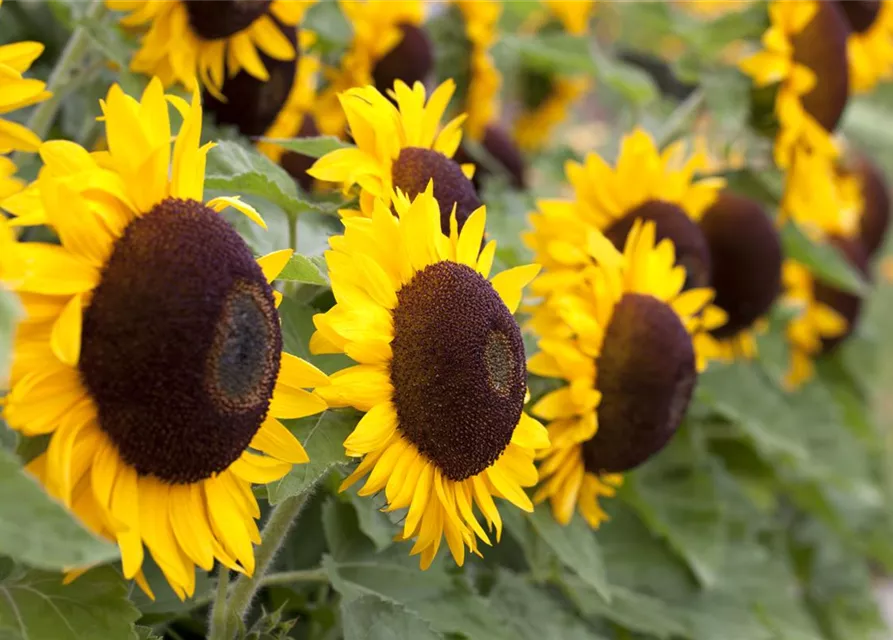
(645,184)
(803,71)
(151,352)
(870,43)
(215,39)
(441,372)
(295,118)
(388,44)
(400,147)
(625,334)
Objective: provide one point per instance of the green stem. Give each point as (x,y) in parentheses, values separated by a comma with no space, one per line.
(293,231)
(218,611)
(680,119)
(69,62)
(290,577)
(273,535)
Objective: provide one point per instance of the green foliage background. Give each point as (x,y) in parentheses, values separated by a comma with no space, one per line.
(769,517)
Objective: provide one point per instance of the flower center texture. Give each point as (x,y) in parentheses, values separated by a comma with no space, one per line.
(181,344)
(217,19)
(458,369)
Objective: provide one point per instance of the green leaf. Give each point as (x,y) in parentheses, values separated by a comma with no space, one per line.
(576,547)
(534,613)
(236,170)
(323,437)
(10,312)
(37,530)
(315,147)
(370,618)
(109,39)
(146,633)
(167,602)
(355,571)
(675,496)
(823,260)
(304,270)
(373,522)
(557,53)
(37,606)
(297,328)
(326,20)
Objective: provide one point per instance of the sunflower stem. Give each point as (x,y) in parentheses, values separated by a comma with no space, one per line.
(69,63)
(273,535)
(290,577)
(218,611)
(293,231)
(681,118)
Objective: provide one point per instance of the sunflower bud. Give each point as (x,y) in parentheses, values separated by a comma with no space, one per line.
(410,61)
(846,304)
(746,256)
(673,223)
(251,104)
(876,204)
(499,145)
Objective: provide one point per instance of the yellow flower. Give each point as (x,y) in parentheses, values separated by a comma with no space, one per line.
(870,43)
(804,54)
(379,27)
(644,183)
(817,325)
(151,349)
(441,375)
(541,114)
(401,148)
(16,92)
(482,99)
(712,8)
(624,341)
(203,42)
(573,15)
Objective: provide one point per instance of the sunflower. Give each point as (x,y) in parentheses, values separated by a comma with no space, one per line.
(546,102)
(644,184)
(745,271)
(215,39)
(401,148)
(151,350)
(17,92)
(825,316)
(482,98)
(295,118)
(573,15)
(440,375)
(871,185)
(625,334)
(387,30)
(804,59)
(712,9)
(870,43)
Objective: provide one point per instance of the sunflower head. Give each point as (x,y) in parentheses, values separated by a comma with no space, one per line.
(400,148)
(151,352)
(410,61)
(746,256)
(628,331)
(500,146)
(869,49)
(219,19)
(670,222)
(249,103)
(440,374)
(860,14)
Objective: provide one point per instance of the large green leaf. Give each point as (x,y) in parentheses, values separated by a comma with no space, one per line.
(825,262)
(37,606)
(323,437)
(37,530)
(371,618)
(304,270)
(575,545)
(10,311)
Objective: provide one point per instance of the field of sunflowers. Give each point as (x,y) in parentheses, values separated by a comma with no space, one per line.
(386,320)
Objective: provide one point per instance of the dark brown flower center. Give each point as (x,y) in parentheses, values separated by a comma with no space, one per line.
(458,369)
(410,61)
(860,14)
(846,304)
(822,46)
(876,200)
(251,104)
(216,19)
(670,222)
(181,344)
(646,374)
(745,254)
(503,150)
(414,168)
